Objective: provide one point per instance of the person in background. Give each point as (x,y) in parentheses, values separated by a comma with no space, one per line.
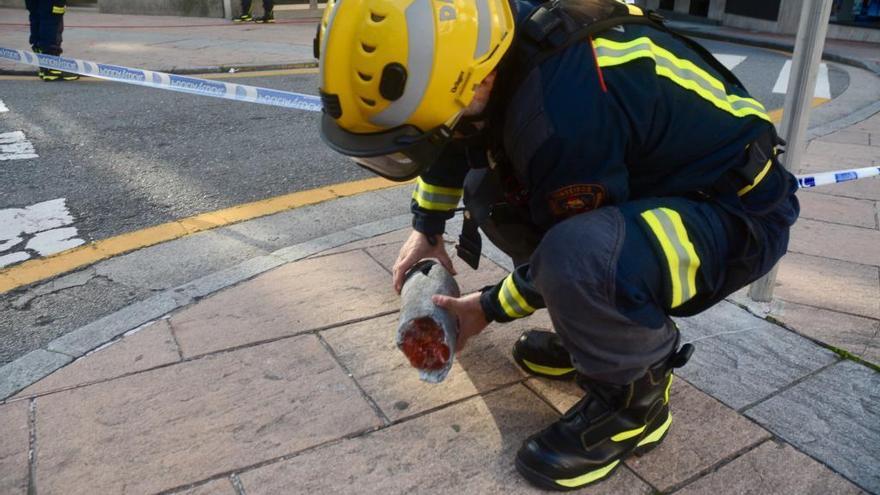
(47,23)
(268,16)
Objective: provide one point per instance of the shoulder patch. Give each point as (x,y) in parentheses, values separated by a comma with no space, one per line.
(576,199)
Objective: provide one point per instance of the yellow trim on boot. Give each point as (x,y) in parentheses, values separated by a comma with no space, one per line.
(546,370)
(668,387)
(57,10)
(588,477)
(657,434)
(626,435)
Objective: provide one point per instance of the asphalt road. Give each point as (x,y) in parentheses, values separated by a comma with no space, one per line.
(124,158)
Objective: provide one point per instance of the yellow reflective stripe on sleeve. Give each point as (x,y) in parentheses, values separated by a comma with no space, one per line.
(680,71)
(512,302)
(668,387)
(680,253)
(589,477)
(757,180)
(57,10)
(626,435)
(436,198)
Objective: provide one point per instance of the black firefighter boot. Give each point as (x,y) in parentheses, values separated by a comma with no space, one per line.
(611,422)
(541,353)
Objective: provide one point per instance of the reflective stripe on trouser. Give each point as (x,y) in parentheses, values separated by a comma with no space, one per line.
(681,256)
(680,71)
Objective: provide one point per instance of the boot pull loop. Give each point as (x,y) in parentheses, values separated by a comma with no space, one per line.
(682,356)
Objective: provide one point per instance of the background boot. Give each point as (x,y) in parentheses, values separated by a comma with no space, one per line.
(611,422)
(540,353)
(243,18)
(267,18)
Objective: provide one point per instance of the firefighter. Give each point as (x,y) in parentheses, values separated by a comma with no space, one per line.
(628,173)
(47,23)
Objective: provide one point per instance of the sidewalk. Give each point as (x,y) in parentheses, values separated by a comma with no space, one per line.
(279,374)
(859,54)
(169,44)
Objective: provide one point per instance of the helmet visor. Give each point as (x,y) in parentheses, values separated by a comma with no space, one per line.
(398,154)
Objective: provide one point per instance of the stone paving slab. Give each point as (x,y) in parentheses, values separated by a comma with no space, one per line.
(216,487)
(822,155)
(833,416)
(746,359)
(824,239)
(14,447)
(704,433)
(837,209)
(832,284)
(848,136)
(854,334)
(466,448)
(150,347)
(861,189)
(368,351)
(772,468)
(180,424)
(292,299)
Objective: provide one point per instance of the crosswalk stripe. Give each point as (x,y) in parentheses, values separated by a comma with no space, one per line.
(728,60)
(823,83)
(47,228)
(15,146)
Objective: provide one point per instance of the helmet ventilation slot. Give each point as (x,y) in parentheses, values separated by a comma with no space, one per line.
(368,48)
(376,17)
(364,77)
(368,102)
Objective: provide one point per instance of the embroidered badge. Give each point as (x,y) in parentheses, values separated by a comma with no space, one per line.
(579,198)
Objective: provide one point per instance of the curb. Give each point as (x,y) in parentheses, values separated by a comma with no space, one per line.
(39,363)
(870,66)
(195,70)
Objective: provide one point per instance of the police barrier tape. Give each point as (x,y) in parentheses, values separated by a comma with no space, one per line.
(836,177)
(161,80)
(274,97)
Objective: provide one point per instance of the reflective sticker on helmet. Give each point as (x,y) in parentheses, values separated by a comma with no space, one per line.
(484,35)
(419,65)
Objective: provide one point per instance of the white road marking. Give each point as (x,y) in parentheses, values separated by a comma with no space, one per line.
(55,241)
(729,61)
(3,107)
(45,226)
(823,84)
(15,146)
(16,257)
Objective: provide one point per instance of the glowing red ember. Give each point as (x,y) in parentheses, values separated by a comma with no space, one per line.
(423,345)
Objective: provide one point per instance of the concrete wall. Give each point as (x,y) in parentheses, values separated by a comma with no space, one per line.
(12,3)
(192,8)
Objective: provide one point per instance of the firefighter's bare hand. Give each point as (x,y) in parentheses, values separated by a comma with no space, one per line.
(471,318)
(415,249)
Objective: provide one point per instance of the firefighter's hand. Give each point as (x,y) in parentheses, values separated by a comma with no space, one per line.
(415,249)
(471,319)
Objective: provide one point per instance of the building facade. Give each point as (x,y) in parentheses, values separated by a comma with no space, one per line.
(856,20)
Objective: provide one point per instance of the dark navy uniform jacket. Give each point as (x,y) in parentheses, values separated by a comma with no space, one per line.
(632,113)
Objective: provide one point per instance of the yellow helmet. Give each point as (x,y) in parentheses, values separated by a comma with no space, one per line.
(396,74)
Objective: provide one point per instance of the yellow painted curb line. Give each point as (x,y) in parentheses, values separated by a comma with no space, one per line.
(776,115)
(66,261)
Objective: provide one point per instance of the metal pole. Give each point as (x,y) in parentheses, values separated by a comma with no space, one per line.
(801,86)
(227,9)
(313,6)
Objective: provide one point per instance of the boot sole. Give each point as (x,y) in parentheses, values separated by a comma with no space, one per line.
(561,374)
(645,445)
